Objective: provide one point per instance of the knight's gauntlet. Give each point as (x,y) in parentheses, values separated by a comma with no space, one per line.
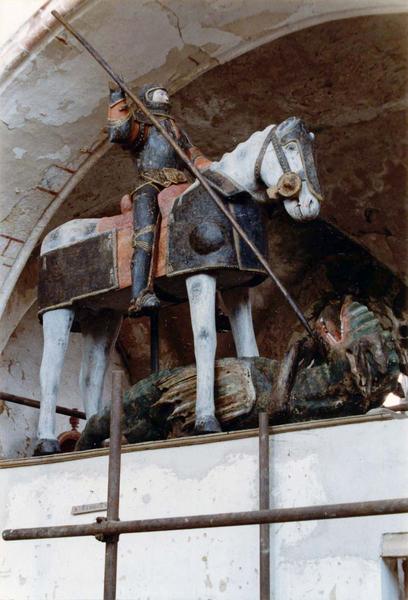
(197,158)
(120,116)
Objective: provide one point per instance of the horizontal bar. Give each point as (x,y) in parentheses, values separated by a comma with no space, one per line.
(255,517)
(401,407)
(70,412)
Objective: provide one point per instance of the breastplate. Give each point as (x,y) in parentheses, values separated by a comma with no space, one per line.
(157,152)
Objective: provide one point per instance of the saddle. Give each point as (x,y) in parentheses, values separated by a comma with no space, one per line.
(171,243)
(196,238)
(123,224)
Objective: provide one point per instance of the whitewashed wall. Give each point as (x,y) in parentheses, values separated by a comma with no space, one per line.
(327,560)
(19,375)
(13,13)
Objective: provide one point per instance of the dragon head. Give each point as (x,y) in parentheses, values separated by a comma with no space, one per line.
(350,331)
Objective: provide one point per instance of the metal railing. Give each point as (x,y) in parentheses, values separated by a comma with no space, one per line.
(109,529)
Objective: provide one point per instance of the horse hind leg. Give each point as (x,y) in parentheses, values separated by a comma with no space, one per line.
(56,327)
(99,336)
(238,305)
(201,294)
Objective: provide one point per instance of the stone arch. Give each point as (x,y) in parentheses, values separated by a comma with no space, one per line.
(61,139)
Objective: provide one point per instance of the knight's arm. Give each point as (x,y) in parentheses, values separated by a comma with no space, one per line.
(196,156)
(122,128)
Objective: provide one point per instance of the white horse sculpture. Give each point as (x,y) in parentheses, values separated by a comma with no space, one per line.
(256,165)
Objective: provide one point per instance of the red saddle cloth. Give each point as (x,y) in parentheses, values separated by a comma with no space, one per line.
(123,224)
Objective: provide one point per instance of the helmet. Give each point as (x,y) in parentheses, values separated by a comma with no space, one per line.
(146,95)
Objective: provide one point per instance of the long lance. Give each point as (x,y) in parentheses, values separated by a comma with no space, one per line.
(190,165)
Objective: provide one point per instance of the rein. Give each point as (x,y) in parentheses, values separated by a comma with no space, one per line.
(289,183)
(283,161)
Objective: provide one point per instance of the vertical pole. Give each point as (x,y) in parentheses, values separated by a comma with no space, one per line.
(154,342)
(264,541)
(111,549)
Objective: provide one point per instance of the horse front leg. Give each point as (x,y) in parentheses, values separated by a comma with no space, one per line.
(238,305)
(99,334)
(56,327)
(201,295)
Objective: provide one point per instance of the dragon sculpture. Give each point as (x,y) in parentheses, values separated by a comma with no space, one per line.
(349,368)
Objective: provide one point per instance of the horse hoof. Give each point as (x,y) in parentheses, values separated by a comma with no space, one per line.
(45,447)
(207,425)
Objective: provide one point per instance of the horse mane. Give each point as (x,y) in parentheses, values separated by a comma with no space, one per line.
(288,126)
(241,149)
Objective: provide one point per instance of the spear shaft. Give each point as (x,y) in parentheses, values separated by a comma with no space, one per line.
(190,165)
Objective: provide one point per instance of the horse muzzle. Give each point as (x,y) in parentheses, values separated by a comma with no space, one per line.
(288,186)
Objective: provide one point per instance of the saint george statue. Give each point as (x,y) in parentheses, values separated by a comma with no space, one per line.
(159,166)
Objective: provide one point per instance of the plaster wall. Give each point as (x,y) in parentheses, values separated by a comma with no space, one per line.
(54,98)
(346,78)
(327,560)
(13,13)
(19,375)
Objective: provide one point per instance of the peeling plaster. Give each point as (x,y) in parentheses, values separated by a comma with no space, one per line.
(19,152)
(227,558)
(63,154)
(61,93)
(97,152)
(19,374)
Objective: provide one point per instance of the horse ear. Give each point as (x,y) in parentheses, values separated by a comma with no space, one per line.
(126,204)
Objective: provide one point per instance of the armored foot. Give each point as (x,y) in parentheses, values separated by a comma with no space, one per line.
(145,304)
(45,447)
(208,424)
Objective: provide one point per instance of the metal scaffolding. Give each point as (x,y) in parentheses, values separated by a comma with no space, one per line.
(109,529)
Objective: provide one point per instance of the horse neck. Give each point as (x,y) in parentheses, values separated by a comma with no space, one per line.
(240,163)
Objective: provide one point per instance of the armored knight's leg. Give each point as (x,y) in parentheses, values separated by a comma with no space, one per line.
(238,305)
(145,211)
(201,296)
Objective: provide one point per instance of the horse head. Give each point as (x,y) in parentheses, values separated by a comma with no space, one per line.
(286,166)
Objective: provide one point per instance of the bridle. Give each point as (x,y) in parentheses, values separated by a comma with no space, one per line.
(290,183)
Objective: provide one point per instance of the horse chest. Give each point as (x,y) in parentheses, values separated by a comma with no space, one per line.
(201,239)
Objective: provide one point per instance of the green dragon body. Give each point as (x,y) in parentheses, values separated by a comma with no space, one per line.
(349,371)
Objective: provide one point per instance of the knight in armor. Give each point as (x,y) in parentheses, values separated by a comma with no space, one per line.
(159,166)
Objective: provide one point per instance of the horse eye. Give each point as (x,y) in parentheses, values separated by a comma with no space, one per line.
(292,147)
